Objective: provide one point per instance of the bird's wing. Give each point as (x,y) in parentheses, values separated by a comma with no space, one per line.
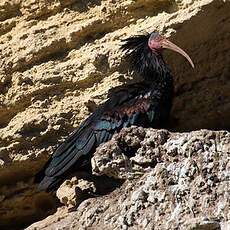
(123,109)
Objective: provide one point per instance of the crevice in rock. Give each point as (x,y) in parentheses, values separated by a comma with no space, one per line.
(9,10)
(79,6)
(7,26)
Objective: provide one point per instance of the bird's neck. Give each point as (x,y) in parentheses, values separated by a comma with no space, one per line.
(155,71)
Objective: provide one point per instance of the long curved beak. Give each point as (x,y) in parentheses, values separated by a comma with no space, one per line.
(169,45)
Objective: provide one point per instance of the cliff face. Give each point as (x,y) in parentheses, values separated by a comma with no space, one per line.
(58,59)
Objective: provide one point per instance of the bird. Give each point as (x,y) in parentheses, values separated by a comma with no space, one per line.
(146,103)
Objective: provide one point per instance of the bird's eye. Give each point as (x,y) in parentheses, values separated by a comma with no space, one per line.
(158,38)
(155,41)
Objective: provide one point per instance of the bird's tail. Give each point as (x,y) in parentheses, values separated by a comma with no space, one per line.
(49,184)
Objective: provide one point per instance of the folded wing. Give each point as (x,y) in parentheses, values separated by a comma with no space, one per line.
(123,110)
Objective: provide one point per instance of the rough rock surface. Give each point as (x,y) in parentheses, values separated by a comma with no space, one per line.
(182,182)
(58,59)
(69,192)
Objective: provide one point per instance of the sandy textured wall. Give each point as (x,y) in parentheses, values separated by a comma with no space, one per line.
(58,59)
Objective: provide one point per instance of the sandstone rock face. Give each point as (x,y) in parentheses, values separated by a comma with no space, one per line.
(181,183)
(58,60)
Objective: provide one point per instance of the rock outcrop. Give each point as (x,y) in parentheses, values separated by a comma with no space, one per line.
(58,60)
(172,181)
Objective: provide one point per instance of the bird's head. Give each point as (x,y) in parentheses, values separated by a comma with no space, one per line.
(145,53)
(157,43)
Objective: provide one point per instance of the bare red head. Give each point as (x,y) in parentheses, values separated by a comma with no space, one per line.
(158,42)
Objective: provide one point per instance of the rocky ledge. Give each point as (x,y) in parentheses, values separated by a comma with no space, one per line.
(171,181)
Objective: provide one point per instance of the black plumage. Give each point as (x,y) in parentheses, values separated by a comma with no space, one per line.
(146,104)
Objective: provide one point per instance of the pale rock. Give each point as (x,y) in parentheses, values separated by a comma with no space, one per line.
(71,190)
(181,191)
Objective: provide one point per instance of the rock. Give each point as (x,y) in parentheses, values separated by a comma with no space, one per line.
(71,191)
(58,61)
(188,189)
(115,158)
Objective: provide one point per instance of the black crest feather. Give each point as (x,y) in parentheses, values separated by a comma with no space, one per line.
(137,42)
(141,58)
